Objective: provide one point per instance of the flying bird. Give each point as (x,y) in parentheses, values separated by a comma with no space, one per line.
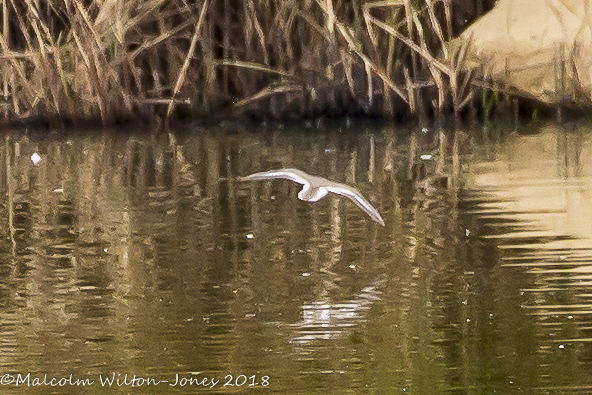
(315,188)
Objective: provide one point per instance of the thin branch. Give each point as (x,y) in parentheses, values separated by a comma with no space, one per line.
(181,77)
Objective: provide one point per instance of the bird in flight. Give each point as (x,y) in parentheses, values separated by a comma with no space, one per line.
(315,188)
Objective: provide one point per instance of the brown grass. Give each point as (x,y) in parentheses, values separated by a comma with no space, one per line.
(116,59)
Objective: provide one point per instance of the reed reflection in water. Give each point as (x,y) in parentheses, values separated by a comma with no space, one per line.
(145,255)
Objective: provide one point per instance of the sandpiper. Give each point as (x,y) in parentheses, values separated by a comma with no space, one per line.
(315,188)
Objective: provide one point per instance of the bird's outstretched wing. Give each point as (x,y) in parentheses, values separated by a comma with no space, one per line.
(355,196)
(290,174)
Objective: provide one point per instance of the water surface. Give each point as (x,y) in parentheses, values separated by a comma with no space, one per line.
(145,255)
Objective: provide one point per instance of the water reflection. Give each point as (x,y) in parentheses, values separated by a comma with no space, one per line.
(529,201)
(145,255)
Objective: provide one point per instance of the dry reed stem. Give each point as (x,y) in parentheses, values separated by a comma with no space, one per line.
(368,69)
(330,19)
(258,29)
(268,91)
(347,68)
(330,22)
(152,43)
(355,48)
(60,70)
(436,27)
(409,12)
(21,23)
(6,35)
(436,75)
(18,55)
(36,19)
(109,9)
(92,76)
(448,13)
(423,53)
(397,4)
(20,72)
(410,88)
(318,28)
(43,64)
(249,33)
(371,64)
(89,24)
(390,61)
(146,10)
(459,100)
(253,66)
(287,27)
(186,102)
(183,71)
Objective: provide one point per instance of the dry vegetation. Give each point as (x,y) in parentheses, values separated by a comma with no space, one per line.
(114,59)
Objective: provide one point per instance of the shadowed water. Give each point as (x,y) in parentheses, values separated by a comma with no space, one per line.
(145,255)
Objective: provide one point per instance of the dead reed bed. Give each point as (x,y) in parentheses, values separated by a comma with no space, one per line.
(118,59)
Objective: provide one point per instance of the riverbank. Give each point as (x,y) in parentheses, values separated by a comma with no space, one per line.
(144,60)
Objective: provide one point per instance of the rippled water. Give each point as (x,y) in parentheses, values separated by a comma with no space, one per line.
(145,255)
